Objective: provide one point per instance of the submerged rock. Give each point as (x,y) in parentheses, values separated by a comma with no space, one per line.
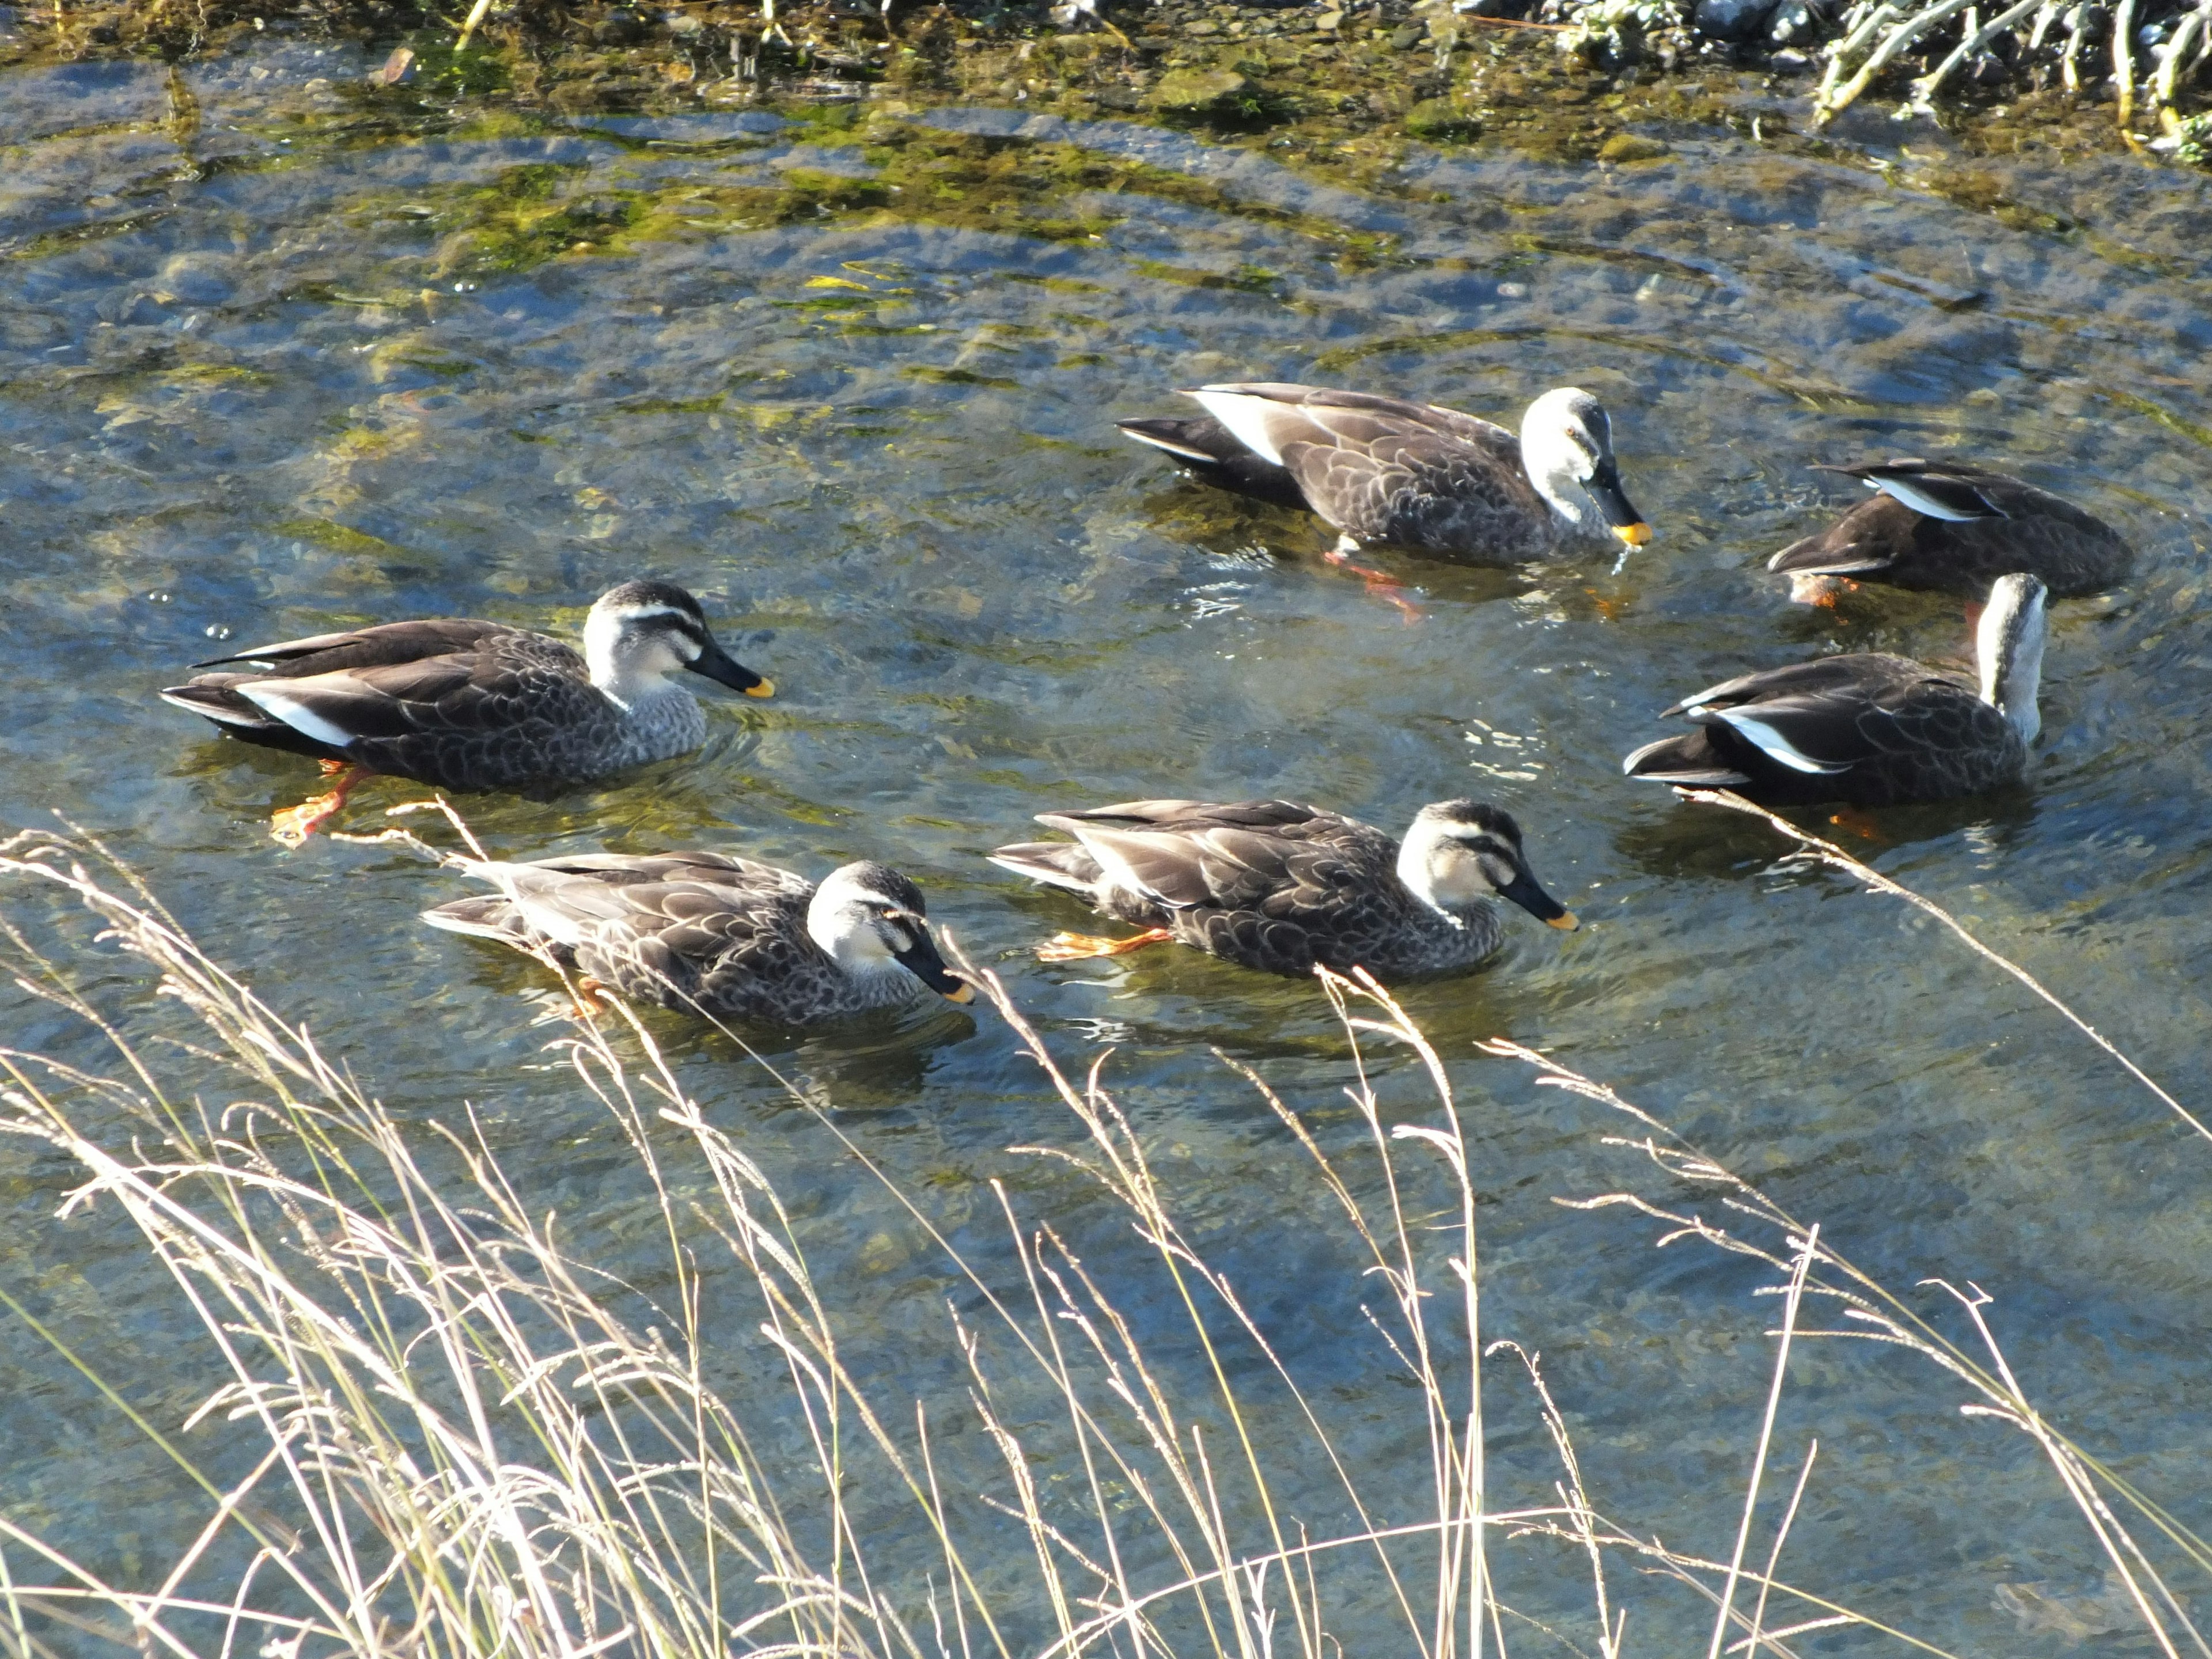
(1628,147)
(1732,20)
(1437,119)
(1202,92)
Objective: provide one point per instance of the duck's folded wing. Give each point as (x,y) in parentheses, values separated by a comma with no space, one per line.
(1214,454)
(1195,814)
(1874,536)
(709,869)
(458,694)
(1325,408)
(1951,491)
(1828,734)
(369,647)
(1866,675)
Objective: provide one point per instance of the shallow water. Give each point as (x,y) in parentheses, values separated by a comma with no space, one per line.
(277,357)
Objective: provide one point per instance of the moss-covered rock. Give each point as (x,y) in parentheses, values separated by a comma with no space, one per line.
(1440,119)
(1197,91)
(1627,147)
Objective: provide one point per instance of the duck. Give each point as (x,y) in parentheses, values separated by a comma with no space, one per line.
(471,706)
(1954,527)
(713,934)
(1869,730)
(1280,887)
(1385,469)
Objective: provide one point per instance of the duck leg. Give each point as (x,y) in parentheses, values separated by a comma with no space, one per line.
(1864,825)
(292,826)
(1825,591)
(1074,947)
(1382,585)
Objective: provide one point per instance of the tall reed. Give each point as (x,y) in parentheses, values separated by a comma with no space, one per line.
(461,1439)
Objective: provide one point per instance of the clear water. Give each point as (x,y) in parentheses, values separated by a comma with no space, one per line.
(276,357)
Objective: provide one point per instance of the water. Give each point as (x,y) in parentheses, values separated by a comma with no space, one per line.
(276,357)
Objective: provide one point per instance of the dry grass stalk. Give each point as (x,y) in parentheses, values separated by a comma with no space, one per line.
(1827,852)
(466,1450)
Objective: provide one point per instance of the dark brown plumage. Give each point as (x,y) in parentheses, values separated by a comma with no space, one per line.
(1414,475)
(1278,886)
(1954,527)
(708,933)
(1871,729)
(470,705)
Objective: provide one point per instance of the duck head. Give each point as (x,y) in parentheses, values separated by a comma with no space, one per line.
(1459,852)
(2008,643)
(1566,445)
(872,920)
(641,633)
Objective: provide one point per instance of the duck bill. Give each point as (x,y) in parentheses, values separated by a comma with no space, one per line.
(1523,892)
(1603,487)
(719,665)
(926,965)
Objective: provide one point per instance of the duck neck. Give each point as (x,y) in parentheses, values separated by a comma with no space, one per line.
(2011,649)
(624,668)
(848,938)
(1552,464)
(1416,873)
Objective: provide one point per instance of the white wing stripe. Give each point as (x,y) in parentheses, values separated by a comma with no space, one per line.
(280,702)
(1770,741)
(1920,501)
(1246,417)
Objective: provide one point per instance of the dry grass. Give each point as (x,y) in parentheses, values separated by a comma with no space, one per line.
(460,1445)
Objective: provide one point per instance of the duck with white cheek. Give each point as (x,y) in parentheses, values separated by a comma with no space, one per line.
(716,935)
(470,705)
(1277,886)
(1383,470)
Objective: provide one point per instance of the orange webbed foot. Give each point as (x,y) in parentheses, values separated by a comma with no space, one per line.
(1856,823)
(1076,947)
(295,824)
(1381,584)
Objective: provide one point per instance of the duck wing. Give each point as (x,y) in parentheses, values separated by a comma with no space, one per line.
(1860,675)
(1955,527)
(1875,730)
(490,716)
(1382,469)
(674,928)
(1214,454)
(1270,884)
(367,647)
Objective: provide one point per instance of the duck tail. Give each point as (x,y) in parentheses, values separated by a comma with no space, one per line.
(492,916)
(215,697)
(1825,555)
(1200,439)
(1067,863)
(1689,761)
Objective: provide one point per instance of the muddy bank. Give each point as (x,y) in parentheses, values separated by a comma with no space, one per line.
(1336,83)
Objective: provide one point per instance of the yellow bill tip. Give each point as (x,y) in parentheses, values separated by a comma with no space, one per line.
(1634,534)
(765,688)
(965,993)
(1565,921)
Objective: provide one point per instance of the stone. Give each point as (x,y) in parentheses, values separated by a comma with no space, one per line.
(1407,36)
(1202,91)
(1731,19)
(196,279)
(1790,61)
(1628,147)
(1436,118)
(1793,22)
